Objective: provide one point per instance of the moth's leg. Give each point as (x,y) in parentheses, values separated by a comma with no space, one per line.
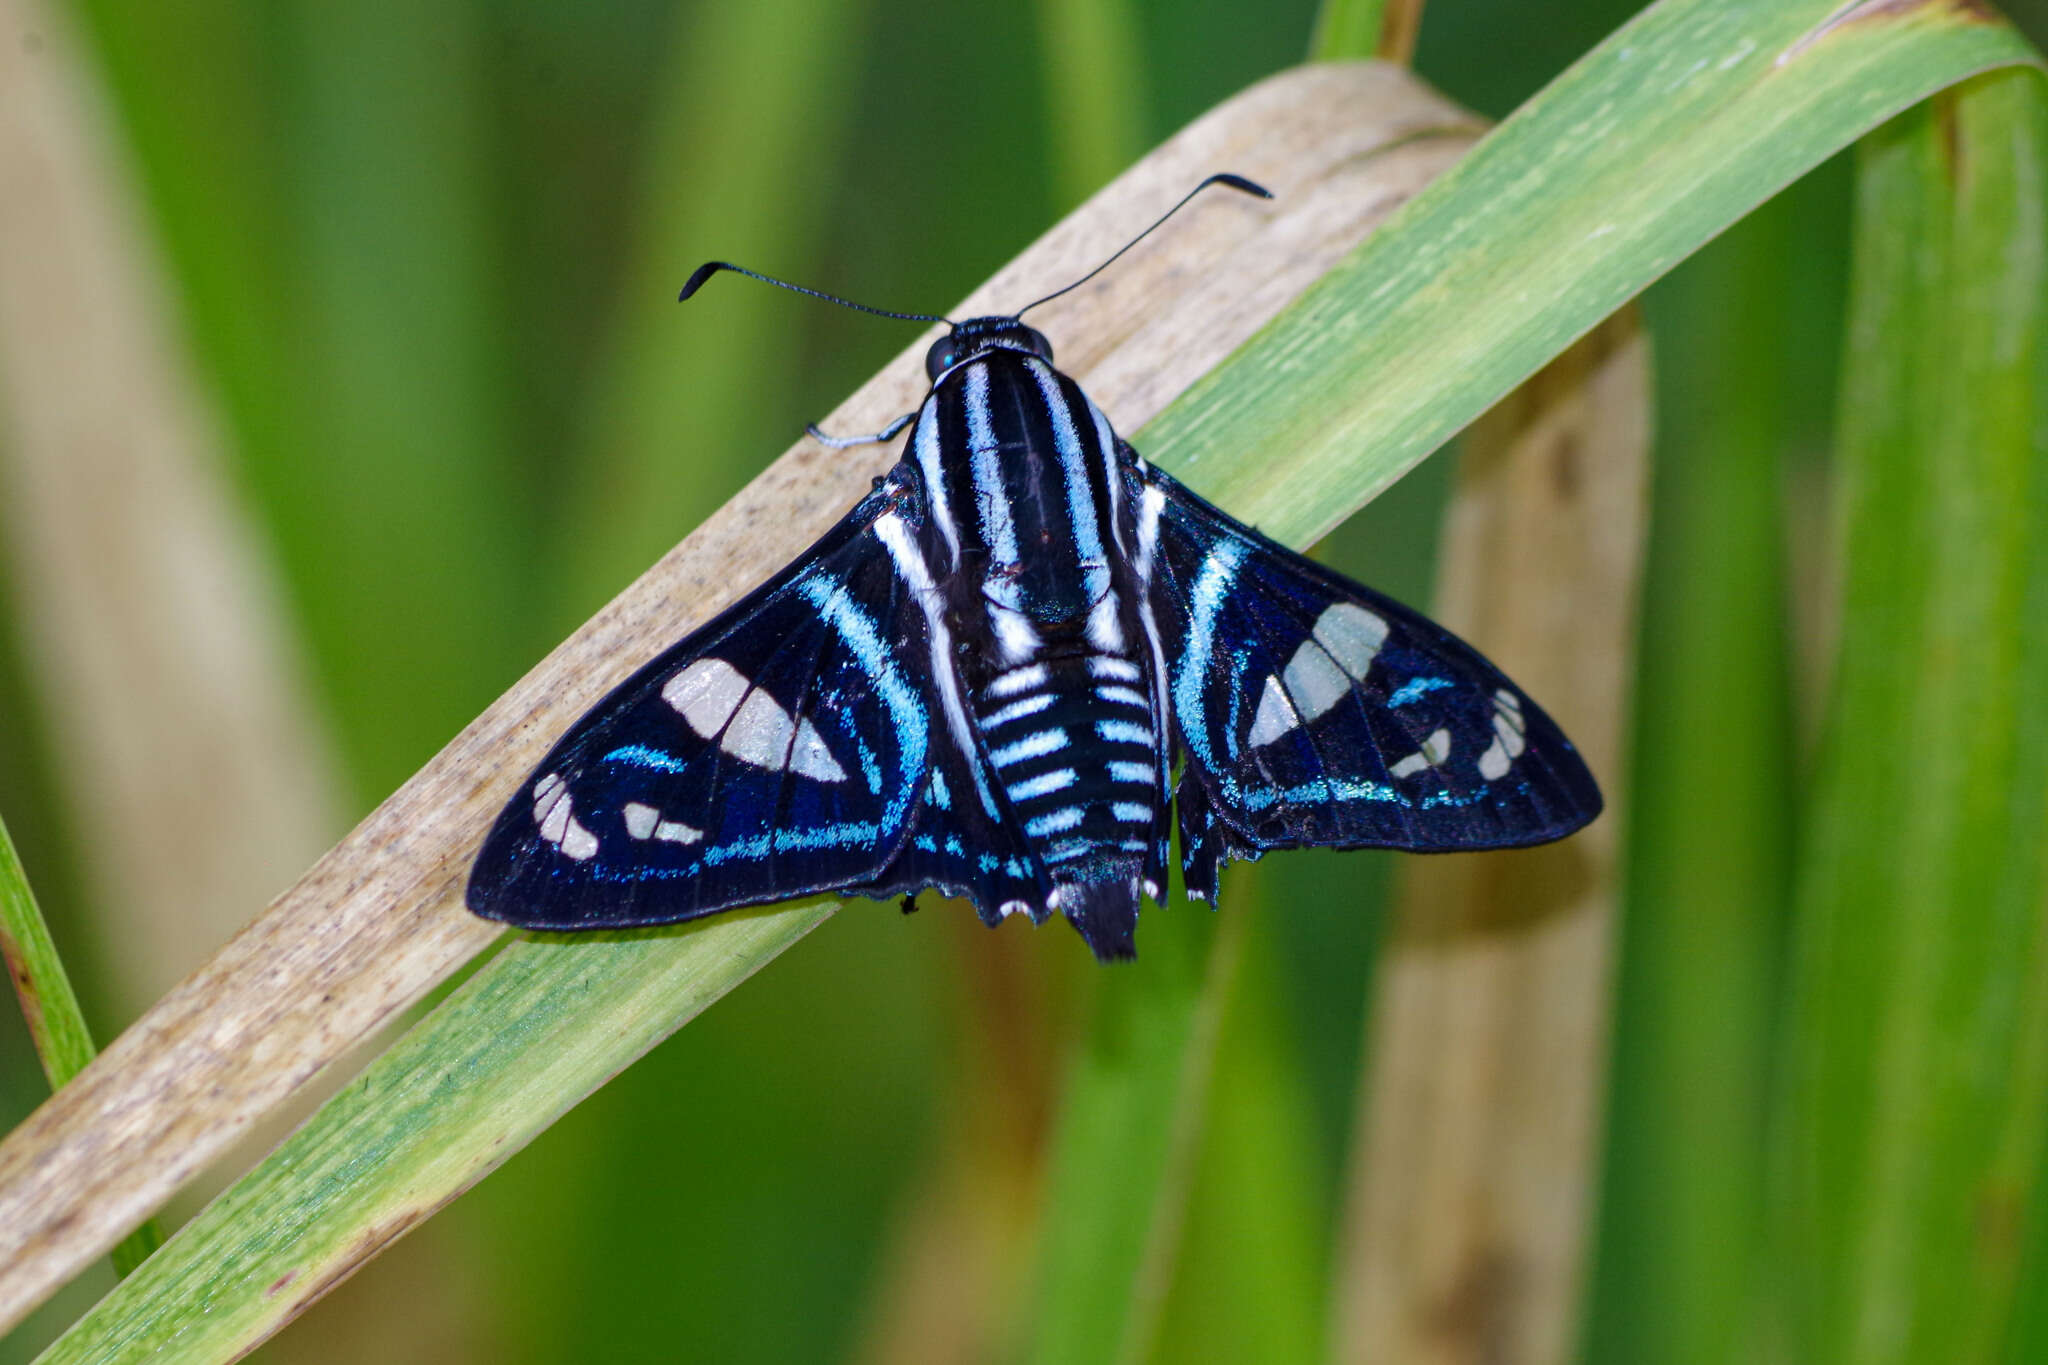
(887,433)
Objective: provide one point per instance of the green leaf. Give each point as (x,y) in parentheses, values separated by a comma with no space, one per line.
(1347,30)
(1914,1126)
(1662,136)
(736,156)
(1715,772)
(1126,1143)
(51,1008)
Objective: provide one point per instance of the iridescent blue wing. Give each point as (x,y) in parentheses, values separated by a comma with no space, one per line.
(782,749)
(1315,711)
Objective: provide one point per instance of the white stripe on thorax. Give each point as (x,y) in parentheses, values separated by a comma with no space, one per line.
(929,463)
(1074,465)
(1107,439)
(997,528)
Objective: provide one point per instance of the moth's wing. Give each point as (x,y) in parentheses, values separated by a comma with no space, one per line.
(962,844)
(1315,711)
(782,749)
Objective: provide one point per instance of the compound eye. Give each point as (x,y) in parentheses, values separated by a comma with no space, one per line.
(939,358)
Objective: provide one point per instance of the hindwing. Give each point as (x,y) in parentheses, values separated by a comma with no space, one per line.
(1315,711)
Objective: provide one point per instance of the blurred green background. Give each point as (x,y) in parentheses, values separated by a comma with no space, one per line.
(425,257)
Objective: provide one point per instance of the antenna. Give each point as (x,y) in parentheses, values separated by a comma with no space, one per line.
(1235,182)
(710,268)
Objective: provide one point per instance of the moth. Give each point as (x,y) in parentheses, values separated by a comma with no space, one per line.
(1002,676)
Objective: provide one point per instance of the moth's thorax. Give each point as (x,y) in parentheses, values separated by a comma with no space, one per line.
(1025,508)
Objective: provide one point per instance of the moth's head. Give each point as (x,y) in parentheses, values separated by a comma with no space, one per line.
(977,336)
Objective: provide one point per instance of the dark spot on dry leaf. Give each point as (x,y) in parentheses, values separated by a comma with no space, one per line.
(1475,1318)
(1564,465)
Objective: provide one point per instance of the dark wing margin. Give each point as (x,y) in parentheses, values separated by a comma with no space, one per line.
(781,750)
(1313,711)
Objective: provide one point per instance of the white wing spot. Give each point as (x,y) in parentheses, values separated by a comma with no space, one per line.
(1347,640)
(551,807)
(578,842)
(1314,681)
(645,822)
(760,732)
(555,813)
(705,694)
(1275,717)
(1009,908)
(1353,636)
(1509,731)
(712,696)
(1432,754)
(810,758)
(1437,748)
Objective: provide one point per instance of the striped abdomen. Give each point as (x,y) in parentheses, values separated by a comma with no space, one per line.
(1074,744)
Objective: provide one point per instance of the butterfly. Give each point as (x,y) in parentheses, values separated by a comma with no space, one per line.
(1004,675)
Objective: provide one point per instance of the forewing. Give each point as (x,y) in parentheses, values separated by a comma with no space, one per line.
(780,750)
(1315,711)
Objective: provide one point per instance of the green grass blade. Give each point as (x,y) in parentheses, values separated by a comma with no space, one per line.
(1259,1182)
(1093,82)
(1350,30)
(1346,30)
(51,1007)
(1914,1128)
(736,158)
(1715,770)
(548,1020)
(1659,138)
(55,1022)
(394,479)
(1126,1143)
